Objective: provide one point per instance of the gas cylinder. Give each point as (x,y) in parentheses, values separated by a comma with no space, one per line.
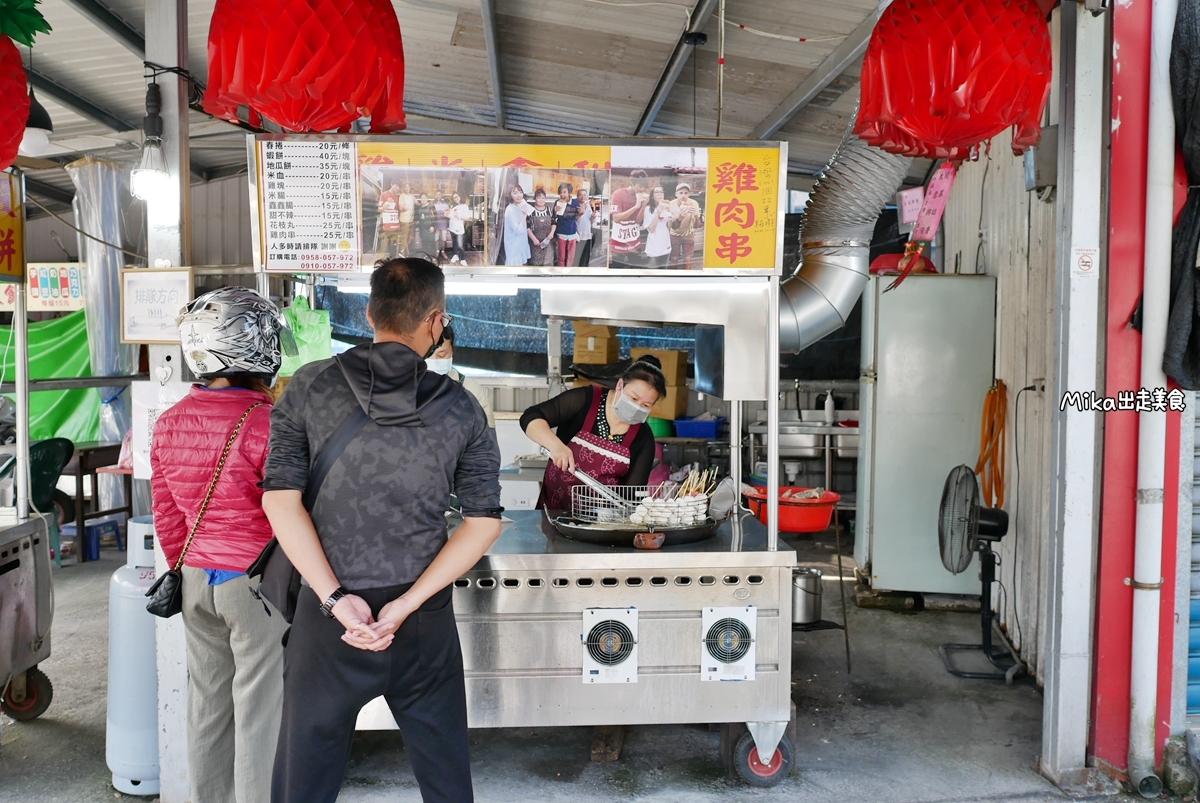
(131,745)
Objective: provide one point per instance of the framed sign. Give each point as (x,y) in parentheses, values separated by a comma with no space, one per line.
(338,204)
(150,302)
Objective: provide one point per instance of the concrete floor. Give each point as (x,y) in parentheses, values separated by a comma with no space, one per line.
(898,728)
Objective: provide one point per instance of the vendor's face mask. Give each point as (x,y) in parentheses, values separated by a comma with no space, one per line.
(628,410)
(439,366)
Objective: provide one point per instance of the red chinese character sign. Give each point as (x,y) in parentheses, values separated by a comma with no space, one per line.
(942,76)
(12,229)
(743,192)
(307,65)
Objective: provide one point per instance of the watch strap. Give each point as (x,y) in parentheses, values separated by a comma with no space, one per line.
(327,605)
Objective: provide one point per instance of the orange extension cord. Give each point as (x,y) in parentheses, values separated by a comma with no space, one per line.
(990,467)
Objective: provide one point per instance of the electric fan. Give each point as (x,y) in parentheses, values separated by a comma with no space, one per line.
(964,528)
(727,650)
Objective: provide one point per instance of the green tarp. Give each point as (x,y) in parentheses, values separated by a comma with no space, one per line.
(58,349)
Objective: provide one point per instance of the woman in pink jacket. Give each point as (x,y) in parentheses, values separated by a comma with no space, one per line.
(231,340)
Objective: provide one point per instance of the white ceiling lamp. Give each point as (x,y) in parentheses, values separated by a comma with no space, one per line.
(38,127)
(151,181)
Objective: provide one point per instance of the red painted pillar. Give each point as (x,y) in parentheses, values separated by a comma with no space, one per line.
(1126,252)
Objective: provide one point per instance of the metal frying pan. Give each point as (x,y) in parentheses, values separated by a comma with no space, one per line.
(622,535)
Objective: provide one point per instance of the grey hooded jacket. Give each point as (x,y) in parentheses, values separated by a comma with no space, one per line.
(380,513)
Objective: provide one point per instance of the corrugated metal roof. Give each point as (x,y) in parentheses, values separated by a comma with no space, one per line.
(583,67)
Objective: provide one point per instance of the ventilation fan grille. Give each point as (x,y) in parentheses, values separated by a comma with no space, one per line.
(610,642)
(728,640)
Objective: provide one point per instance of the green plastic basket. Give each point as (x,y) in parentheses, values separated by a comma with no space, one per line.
(661,427)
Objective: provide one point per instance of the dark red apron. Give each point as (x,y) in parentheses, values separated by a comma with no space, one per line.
(607,461)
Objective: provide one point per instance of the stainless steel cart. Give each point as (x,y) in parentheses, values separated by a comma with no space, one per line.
(25,615)
(525,611)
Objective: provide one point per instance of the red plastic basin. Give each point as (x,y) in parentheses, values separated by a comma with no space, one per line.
(795,515)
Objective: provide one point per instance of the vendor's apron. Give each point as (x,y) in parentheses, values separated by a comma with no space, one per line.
(607,461)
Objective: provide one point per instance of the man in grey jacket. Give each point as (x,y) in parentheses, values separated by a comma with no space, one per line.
(374,616)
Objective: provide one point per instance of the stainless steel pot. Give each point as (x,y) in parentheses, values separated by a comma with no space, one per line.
(806,596)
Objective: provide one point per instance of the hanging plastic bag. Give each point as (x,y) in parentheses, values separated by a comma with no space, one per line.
(313,333)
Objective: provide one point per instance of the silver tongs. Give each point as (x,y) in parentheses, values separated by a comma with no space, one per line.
(597,486)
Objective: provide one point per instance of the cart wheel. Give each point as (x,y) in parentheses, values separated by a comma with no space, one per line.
(64,508)
(38,694)
(745,760)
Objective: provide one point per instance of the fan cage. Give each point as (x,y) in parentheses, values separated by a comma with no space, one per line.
(958,519)
(610,642)
(728,640)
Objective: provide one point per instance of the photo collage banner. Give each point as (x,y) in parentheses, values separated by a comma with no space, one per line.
(340,204)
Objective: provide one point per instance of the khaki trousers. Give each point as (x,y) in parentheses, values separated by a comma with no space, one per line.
(235,689)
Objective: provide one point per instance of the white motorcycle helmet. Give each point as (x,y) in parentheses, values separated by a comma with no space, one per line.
(233,330)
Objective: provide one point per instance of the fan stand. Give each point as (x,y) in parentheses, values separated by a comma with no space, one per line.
(1004,657)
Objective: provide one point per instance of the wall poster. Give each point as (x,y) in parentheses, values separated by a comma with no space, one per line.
(340,203)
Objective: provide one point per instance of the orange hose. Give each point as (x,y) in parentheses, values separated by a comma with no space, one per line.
(990,467)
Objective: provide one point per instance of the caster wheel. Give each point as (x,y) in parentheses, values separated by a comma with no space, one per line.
(755,773)
(38,694)
(64,508)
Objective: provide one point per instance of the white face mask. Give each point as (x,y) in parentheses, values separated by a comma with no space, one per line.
(439,366)
(630,411)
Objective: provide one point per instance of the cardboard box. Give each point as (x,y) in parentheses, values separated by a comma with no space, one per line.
(673,405)
(597,350)
(674,364)
(584,329)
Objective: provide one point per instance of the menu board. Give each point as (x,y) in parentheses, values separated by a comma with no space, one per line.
(309,206)
(50,287)
(342,203)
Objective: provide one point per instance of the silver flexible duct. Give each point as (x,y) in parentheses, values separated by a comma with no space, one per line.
(836,241)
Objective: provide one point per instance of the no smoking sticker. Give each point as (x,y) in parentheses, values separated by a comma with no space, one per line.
(1085,262)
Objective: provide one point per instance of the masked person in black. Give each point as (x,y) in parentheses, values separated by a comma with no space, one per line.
(374,615)
(601,432)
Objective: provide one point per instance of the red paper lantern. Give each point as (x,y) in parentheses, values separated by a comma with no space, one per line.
(14,102)
(942,76)
(307,65)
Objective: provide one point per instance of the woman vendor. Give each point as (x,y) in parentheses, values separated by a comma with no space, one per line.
(600,432)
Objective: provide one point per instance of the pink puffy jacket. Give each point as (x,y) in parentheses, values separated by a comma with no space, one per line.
(187,445)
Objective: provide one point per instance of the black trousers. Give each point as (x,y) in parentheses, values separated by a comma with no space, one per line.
(585,253)
(326,682)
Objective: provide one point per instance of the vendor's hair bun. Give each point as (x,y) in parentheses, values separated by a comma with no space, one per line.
(648,369)
(651,360)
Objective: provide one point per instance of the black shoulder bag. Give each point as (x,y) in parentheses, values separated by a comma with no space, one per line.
(279,582)
(166,595)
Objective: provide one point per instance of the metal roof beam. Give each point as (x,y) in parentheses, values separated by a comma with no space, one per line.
(77,103)
(101,16)
(836,63)
(488,9)
(666,82)
(48,191)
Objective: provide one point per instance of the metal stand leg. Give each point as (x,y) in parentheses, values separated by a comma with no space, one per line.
(842,585)
(1005,658)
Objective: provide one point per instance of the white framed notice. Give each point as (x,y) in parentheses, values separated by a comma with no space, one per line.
(151,299)
(150,400)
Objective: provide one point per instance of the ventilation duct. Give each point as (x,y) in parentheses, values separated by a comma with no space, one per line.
(836,241)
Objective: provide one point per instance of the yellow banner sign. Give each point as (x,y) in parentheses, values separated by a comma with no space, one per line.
(743,192)
(12,230)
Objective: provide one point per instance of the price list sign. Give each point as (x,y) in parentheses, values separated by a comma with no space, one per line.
(310,206)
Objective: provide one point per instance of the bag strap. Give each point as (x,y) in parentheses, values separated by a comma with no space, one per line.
(212,486)
(333,449)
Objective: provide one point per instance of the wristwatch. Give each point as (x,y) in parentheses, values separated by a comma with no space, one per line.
(327,605)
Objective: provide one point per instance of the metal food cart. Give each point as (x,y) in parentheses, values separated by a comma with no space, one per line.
(698,633)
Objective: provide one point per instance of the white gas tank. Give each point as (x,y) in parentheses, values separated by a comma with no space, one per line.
(131,745)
